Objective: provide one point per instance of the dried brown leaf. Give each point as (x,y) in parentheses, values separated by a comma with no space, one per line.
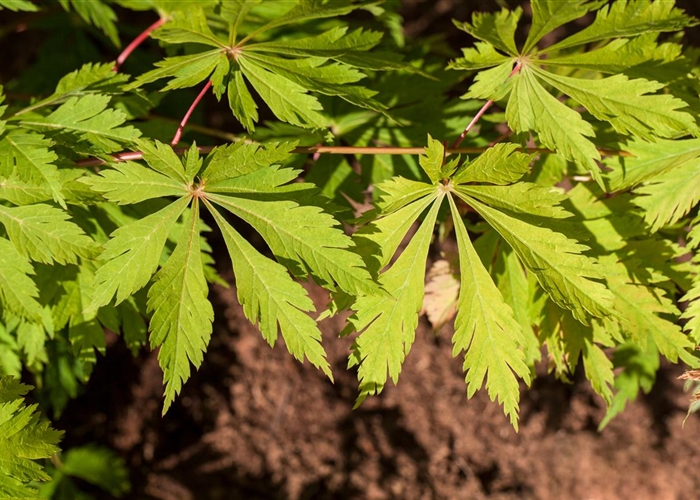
(441,293)
(690,375)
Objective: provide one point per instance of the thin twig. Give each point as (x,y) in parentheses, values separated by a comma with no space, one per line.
(483,109)
(132,46)
(185,119)
(472,123)
(136,42)
(339,150)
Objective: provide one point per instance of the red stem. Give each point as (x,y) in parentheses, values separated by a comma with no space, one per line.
(185,119)
(136,42)
(483,109)
(472,123)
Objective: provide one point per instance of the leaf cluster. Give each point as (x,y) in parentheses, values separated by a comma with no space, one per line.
(564,248)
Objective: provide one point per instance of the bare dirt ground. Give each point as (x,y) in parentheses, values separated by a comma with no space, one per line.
(255,424)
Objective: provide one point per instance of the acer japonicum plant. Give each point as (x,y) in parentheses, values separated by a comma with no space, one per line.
(566,178)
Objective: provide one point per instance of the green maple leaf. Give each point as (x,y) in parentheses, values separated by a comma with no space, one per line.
(24,438)
(388,324)
(486,330)
(246,180)
(638,306)
(667,197)
(273,300)
(87,118)
(97,13)
(556,261)
(44,234)
(18,292)
(628,18)
(649,159)
(498,29)
(287,100)
(547,15)
(18,5)
(27,157)
(182,317)
(531,107)
(281,212)
(623,103)
(130,182)
(325,63)
(132,255)
(629,105)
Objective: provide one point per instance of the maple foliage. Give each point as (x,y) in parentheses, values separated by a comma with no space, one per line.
(572,212)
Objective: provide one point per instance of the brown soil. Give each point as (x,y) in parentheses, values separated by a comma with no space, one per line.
(253,424)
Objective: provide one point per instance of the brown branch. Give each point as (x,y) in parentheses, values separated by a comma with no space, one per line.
(339,150)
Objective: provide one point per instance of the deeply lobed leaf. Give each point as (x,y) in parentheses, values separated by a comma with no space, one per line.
(18,292)
(44,234)
(27,157)
(132,255)
(387,324)
(627,18)
(486,330)
(182,318)
(557,262)
(23,440)
(272,299)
